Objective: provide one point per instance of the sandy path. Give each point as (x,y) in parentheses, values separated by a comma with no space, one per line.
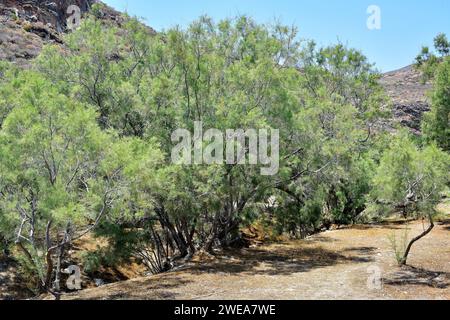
(333,265)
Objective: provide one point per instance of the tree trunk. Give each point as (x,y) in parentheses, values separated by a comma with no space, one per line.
(57,282)
(165,223)
(49,272)
(208,245)
(189,237)
(411,243)
(25,251)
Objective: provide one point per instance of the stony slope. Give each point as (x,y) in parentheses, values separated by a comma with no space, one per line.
(409,96)
(53,13)
(27,25)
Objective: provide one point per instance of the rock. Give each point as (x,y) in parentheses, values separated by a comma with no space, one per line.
(99,282)
(409,97)
(22,40)
(27,25)
(51,5)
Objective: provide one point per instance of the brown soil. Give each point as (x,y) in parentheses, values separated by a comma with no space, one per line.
(332,265)
(12,286)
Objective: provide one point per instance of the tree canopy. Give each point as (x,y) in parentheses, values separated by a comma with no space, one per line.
(85,141)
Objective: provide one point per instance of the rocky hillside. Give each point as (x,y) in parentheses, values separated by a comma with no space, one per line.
(26,25)
(409,96)
(52,13)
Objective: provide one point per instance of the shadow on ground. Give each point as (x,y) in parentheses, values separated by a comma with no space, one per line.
(446,224)
(11,284)
(163,289)
(285,261)
(416,276)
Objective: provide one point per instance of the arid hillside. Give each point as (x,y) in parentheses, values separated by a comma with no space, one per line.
(27,25)
(409,96)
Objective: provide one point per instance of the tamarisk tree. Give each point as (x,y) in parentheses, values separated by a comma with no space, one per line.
(413,179)
(60,174)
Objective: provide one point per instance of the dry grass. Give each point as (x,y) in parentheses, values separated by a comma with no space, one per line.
(130,270)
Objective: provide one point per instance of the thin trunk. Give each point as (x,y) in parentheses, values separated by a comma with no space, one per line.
(25,251)
(189,236)
(48,275)
(57,282)
(411,243)
(165,223)
(48,257)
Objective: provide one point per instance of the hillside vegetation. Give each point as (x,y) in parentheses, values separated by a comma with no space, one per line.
(86,145)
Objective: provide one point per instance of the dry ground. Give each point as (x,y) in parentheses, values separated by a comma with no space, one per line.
(331,265)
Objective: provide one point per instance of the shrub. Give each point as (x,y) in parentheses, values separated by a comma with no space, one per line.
(399,246)
(27,26)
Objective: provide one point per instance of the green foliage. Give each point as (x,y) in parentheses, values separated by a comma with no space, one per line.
(442,44)
(85,140)
(121,247)
(436,123)
(436,66)
(399,245)
(410,177)
(59,171)
(30,271)
(427,61)
(96,9)
(27,26)
(233,74)
(349,198)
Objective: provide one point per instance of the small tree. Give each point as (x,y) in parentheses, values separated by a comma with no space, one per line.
(436,124)
(412,178)
(428,61)
(442,44)
(60,174)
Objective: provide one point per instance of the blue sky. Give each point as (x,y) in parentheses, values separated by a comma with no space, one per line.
(406,25)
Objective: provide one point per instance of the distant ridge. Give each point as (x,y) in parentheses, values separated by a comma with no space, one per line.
(409,96)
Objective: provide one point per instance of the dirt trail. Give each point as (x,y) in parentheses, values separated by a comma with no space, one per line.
(332,265)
